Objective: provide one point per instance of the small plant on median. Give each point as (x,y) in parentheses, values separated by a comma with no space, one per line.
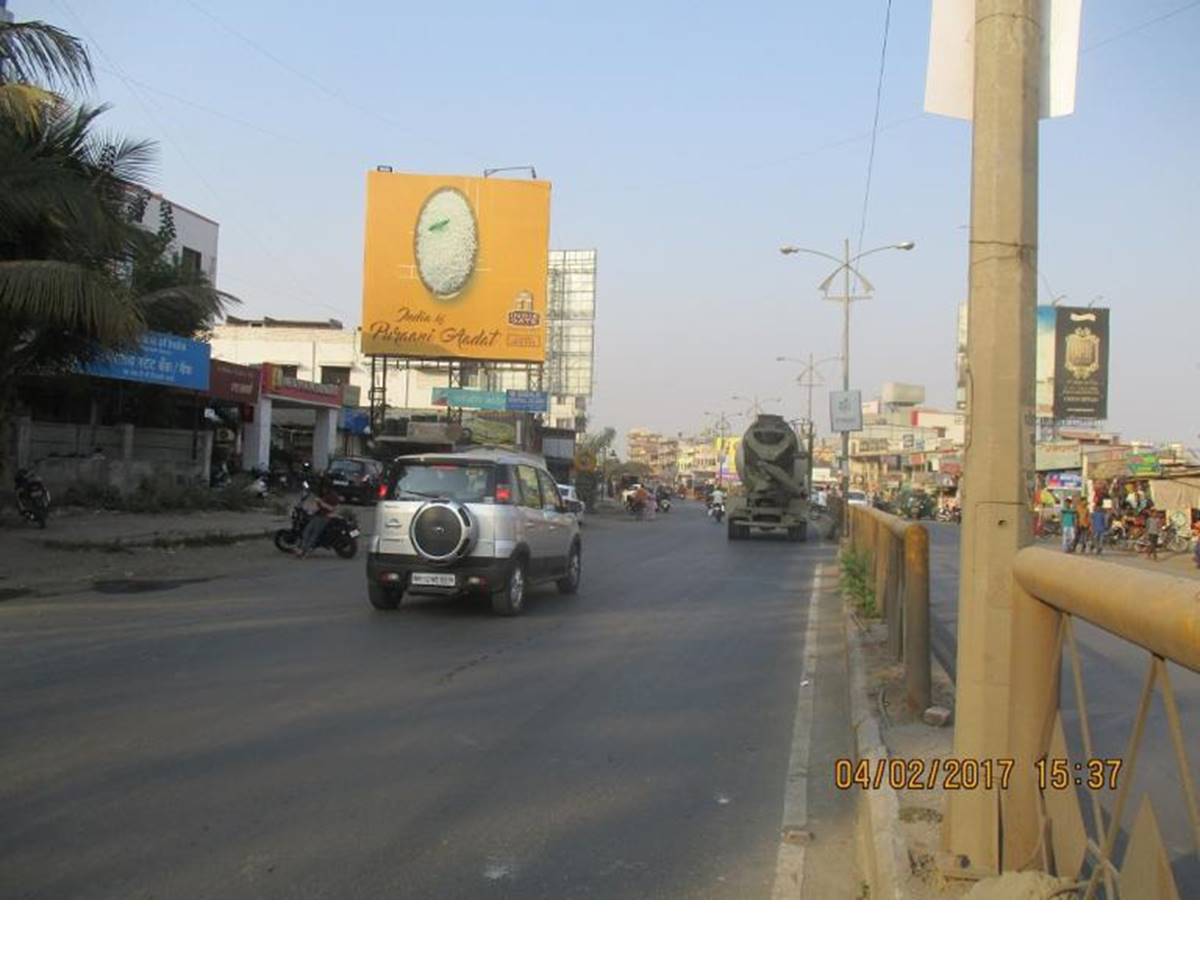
(856,583)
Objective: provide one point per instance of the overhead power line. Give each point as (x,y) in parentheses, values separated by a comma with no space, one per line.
(187,159)
(314,82)
(1141,26)
(862,225)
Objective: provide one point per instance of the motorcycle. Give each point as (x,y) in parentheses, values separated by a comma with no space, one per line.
(717,512)
(663,504)
(340,533)
(33,500)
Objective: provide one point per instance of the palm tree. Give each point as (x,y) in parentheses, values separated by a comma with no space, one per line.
(36,59)
(64,239)
(78,274)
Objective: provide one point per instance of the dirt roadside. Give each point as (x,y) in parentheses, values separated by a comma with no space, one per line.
(110,551)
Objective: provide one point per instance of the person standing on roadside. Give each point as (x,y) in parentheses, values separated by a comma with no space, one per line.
(1153,530)
(1099,526)
(1083,528)
(1069,517)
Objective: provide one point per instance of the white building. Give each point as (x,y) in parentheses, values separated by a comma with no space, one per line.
(195,235)
(322,351)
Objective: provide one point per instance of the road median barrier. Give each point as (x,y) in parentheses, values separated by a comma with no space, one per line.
(894,555)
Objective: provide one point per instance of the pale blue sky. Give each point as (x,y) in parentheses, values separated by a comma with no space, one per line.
(686,141)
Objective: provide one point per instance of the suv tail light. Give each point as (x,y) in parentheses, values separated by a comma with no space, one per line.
(503,494)
(382,490)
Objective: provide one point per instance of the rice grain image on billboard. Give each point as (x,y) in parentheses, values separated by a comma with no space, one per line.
(455,267)
(445,242)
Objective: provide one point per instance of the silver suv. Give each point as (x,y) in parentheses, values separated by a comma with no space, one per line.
(485,520)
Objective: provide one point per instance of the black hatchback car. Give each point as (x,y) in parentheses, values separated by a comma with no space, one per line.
(356,479)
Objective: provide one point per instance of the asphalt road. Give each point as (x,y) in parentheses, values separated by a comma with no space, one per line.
(1113,674)
(269,734)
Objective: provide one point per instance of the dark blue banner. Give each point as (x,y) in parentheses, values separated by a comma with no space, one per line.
(159,359)
(536,401)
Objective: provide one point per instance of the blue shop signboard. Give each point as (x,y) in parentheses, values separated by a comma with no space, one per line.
(456,397)
(355,421)
(159,359)
(536,401)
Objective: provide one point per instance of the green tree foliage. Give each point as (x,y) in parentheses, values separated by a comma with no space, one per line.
(591,450)
(78,274)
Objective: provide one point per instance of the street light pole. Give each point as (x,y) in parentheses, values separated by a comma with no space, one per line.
(845,486)
(808,379)
(755,403)
(722,431)
(845,265)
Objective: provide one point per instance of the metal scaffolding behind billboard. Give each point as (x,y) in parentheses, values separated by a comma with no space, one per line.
(571,311)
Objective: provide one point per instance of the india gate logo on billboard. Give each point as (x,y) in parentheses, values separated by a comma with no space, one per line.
(1081,363)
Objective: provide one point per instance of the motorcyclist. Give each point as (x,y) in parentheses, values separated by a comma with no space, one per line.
(326,505)
(717,498)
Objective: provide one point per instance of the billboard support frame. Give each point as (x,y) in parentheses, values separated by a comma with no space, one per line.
(456,376)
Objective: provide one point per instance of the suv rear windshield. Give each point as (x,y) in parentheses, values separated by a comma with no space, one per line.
(454,480)
(347,467)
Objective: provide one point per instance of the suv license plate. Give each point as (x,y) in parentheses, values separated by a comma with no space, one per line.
(433,580)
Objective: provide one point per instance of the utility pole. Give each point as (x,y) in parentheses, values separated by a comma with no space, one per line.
(846,266)
(999,473)
(845,522)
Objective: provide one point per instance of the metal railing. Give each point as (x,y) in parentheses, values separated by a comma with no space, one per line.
(1043,825)
(899,560)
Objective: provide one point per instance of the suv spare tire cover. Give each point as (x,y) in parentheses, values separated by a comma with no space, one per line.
(442,531)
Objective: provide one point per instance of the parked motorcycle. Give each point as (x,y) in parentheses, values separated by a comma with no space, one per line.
(340,533)
(33,500)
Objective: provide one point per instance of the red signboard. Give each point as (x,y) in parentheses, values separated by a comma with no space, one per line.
(233,382)
(276,385)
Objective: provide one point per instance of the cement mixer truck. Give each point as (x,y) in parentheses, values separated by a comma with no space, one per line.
(773,467)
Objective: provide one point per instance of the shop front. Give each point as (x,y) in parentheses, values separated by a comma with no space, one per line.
(302,415)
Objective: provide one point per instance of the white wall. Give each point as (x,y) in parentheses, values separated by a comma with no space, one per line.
(191,230)
(310,350)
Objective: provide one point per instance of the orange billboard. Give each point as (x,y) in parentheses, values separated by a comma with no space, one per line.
(455,267)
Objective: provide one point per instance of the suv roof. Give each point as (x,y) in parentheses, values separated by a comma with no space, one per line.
(474,456)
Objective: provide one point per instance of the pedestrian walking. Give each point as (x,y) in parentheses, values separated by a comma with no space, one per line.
(1069,517)
(1153,530)
(1099,527)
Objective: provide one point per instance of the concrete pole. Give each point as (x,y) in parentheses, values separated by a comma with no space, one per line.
(1036,670)
(324,437)
(256,449)
(999,454)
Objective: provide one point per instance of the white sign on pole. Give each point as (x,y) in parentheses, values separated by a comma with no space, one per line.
(845,410)
(950,76)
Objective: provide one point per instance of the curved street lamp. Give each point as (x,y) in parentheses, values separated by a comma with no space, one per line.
(846,267)
(755,403)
